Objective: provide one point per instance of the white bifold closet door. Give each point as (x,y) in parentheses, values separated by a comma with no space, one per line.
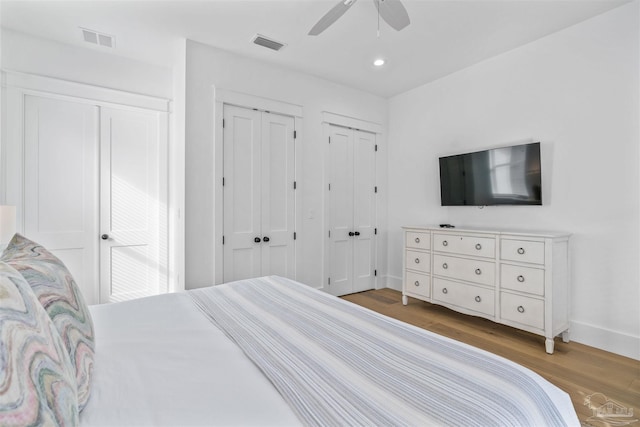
(133,207)
(95,194)
(351,190)
(258,194)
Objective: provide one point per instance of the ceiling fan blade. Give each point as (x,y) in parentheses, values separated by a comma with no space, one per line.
(332,16)
(393,12)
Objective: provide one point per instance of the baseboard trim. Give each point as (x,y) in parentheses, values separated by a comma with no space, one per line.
(605,339)
(392,282)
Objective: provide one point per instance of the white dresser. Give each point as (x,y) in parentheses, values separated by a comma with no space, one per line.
(520,279)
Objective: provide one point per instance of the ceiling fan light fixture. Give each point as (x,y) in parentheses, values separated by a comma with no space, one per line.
(379,62)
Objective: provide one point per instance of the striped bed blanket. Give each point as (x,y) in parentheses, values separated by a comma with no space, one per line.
(336,363)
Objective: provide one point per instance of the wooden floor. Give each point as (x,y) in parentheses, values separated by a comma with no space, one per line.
(578,369)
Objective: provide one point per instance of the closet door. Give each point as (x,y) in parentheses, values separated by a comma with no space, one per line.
(341,205)
(133,204)
(363,210)
(61,184)
(351,190)
(278,200)
(258,194)
(242,193)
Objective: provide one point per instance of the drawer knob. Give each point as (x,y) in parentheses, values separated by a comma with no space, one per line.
(417,260)
(520,309)
(445,266)
(478,246)
(417,240)
(478,299)
(416,283)
(521,251)
(444,290)
(445,243)
(478,271)
(521,278)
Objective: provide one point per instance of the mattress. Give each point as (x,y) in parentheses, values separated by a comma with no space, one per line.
(271,351)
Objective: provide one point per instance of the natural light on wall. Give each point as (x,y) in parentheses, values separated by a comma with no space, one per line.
(7,224)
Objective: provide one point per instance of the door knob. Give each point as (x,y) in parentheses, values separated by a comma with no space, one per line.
(256,239)
(357,233)
(265,239)
(351,234)
(104,237)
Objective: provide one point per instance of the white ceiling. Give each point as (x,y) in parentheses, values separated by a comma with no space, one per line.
(444,36)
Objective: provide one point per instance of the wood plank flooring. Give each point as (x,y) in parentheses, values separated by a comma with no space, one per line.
(578,369)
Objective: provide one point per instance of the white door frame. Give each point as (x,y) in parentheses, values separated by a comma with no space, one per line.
(332,119)
(18,85)
(224,96)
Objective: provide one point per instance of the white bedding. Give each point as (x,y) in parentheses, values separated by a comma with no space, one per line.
(162,361)
(159,361)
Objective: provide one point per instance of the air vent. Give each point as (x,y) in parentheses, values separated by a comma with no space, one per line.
(263,41)
(100,39)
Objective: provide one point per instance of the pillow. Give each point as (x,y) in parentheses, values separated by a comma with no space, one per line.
(37,379)
(61,298)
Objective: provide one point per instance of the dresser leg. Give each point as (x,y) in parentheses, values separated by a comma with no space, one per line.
(405,300)
(549,345)
(565,336)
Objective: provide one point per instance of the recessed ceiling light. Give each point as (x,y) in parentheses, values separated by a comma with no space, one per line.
(378,62)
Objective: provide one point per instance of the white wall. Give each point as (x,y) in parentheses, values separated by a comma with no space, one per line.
(34,55)
(577,92)
(209,68)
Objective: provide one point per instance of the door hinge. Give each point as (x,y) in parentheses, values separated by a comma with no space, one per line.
(295,185)
(375,231)
(223,181)
(329,233)
(375,189)
(329,140)
(375,272)
(329,186)
(295,134)
(329,280)
(223,123)
(295,235)
(223,240)
(376,147)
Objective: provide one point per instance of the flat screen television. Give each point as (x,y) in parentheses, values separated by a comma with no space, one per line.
(500,176)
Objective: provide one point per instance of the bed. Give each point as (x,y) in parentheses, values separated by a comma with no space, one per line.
(271,351)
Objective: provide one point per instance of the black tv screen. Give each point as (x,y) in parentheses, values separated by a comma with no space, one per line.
(501,176)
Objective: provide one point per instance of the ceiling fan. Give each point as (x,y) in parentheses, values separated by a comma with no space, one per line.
(392,11)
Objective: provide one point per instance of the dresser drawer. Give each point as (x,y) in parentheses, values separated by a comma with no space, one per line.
(465,245)
(470,270)
(417,283)
(522,250)
(524,310)
(418,261)
(466,296)
(418,240)
(522,279)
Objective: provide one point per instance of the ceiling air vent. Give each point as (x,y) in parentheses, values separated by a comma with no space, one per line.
(97,38)
(263,41)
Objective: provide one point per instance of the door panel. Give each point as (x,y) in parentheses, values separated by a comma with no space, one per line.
(341,212)
(277,206)
(60,184)
(133,209)
(241,193)
(363,209)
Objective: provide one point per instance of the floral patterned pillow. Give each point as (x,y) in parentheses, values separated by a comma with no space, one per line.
(60,296)
(37,379)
